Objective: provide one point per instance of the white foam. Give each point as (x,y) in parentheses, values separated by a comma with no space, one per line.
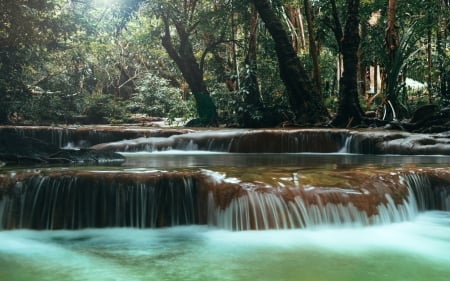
(427,236)
(204,253)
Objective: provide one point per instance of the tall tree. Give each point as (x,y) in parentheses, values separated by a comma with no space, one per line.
(443,28)
(313,48)
(180,49)
(392,44)
(349,110)
(304,98)
(250,87)
(392,40)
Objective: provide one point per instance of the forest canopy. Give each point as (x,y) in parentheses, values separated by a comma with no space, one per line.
(229,62)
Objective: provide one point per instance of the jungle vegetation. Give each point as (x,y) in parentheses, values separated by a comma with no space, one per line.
(241,63)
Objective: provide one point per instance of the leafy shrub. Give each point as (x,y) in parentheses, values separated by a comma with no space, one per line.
(156,97)
(101,109)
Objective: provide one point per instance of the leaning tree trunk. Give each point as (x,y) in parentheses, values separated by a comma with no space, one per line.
(184,58)
(349,111)
(303,96)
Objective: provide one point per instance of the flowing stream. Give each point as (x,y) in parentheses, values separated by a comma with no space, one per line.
(210,233)
(415,250)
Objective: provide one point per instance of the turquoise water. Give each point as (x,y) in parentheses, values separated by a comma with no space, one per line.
(415,250)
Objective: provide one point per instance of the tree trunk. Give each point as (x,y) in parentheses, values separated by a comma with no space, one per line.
(349,112)
(442,34)
(296,18)
(444,77)
(313,50)
(303,96)
(392,42)
(337,26)
(430,28)
(184,58)
(252,116)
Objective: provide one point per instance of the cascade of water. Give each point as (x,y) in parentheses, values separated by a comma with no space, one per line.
(261,211)
(287,141)
(347,147)
(391,212)
(254,211)
(207,140)
(60,137)
(239,141)
(427,195)
(421,188)
(67,202)
(153,199)
(272,209)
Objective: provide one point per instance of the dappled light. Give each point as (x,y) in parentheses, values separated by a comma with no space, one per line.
(106,3)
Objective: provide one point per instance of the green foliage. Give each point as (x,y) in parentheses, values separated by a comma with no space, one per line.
(229,103)
(28,29)
(232,108)
(101,109)
(61,60)
(394,67)
(52,107)
(156,97)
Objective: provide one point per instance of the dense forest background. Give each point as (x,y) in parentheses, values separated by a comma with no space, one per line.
(233,62)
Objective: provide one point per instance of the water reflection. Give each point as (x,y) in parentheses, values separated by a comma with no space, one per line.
(183,159)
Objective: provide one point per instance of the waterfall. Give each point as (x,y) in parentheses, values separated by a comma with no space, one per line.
(74,202)
(264,211)
(391,212)
(236,141)
(428,195)
(347,147)
(86,199)
(121,139)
